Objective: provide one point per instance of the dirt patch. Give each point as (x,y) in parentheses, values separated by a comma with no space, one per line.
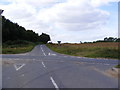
(110,73)
(113,73)
(7,62)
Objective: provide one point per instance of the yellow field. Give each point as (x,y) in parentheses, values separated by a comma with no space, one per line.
(94,50)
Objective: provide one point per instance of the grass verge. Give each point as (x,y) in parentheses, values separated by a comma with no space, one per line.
(16,47)
(92,50)
(118,66)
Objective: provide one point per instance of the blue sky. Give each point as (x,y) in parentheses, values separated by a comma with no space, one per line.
(65,20)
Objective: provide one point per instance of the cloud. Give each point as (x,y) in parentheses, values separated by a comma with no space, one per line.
(58,16)
(74,15)
(97,3)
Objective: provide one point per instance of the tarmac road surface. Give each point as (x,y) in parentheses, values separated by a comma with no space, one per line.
(43,68)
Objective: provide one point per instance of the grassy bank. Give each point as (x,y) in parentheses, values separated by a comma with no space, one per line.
(16,47)
(93,50)
(118,66)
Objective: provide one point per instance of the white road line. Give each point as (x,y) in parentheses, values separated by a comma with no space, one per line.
(22,75)
(48,53)
(106,64)
(44,54)
(18,68)
(43,51)
(54,54)
(43,65)
(78,57)
(54,83)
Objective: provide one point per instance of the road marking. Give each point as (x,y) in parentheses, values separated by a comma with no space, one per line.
(22,75)
(78,57)
(43,51)
(54,83)
(48,53)
(43,65)
(54,54)
(44,54)
(19,66)
(51,54)
(106,64)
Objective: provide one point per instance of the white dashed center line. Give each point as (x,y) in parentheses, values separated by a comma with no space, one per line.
(43,65)
(54,83)
(43,51)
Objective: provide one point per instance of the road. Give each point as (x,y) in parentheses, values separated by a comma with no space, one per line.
(43,68)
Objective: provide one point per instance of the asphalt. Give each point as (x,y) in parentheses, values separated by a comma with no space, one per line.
(43,68)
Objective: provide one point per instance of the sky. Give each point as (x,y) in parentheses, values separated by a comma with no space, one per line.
(65,20)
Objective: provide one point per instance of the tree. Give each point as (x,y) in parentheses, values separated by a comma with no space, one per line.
(110,39)
(118,40)
(44,38)
(13,32)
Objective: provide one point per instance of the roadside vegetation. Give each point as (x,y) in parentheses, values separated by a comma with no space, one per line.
(16,39)
(13,32)
(15,47)
(92,50)
(118,66)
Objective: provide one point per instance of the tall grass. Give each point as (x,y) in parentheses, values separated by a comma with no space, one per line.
(93,50)
(15,47)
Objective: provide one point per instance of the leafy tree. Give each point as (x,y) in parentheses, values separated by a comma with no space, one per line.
(13,32)
(44,38)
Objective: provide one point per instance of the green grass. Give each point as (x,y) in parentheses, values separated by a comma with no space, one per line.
(94,50)
(16,47)
(118,66)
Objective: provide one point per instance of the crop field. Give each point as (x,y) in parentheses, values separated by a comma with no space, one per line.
(93,50)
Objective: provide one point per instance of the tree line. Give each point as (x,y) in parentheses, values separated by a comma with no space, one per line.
(106,39)
(109,39)
(13,32)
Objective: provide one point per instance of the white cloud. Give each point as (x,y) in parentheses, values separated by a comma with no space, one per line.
(97,3)
(74,14)
(51,16)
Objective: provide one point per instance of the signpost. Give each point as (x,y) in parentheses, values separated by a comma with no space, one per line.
(59,42)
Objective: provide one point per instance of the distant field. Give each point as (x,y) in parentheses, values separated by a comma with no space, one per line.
(16,47)
(93,50)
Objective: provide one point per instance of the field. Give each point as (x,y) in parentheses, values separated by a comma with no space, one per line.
(16,47)
(92,50)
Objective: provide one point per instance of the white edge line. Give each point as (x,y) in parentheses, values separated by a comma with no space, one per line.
(54,83)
